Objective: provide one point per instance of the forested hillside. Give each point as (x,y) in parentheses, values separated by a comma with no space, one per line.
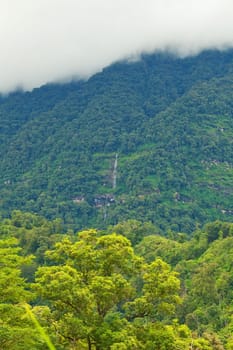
(150,140)
(124,288)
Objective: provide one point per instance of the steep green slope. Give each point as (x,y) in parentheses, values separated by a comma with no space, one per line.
(151,139)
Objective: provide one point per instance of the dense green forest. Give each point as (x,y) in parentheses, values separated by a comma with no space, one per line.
(116,203)
(150,140)
(122,288)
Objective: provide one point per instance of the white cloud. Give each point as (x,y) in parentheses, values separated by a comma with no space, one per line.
(51,40)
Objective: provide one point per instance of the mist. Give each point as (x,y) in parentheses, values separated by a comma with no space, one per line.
(59,40)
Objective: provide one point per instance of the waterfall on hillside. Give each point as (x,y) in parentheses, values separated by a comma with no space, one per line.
(114,174)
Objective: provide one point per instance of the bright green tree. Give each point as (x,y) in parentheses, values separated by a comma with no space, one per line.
(102,296)
(86,285)
(16,330)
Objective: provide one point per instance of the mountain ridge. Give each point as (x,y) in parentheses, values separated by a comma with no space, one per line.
(167,118)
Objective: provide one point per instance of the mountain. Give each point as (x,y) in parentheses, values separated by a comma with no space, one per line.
(150,140)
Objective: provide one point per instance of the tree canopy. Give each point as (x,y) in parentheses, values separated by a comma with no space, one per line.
(94,290)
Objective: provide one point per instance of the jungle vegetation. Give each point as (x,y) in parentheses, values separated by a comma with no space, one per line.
(150,140)
(126,287)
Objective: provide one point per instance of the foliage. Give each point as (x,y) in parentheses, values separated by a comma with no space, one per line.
(16,331)
(169,121)
(92,291)
(92,281)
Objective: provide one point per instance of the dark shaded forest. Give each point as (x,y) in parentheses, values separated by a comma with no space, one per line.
(150,140)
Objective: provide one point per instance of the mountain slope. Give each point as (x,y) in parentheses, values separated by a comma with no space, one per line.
(150,139)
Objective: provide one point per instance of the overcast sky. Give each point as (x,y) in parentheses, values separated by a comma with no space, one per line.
(54,40)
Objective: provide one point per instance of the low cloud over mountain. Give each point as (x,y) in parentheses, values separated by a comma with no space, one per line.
(57,40)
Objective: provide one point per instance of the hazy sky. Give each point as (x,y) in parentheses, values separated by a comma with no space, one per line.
(53,40)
